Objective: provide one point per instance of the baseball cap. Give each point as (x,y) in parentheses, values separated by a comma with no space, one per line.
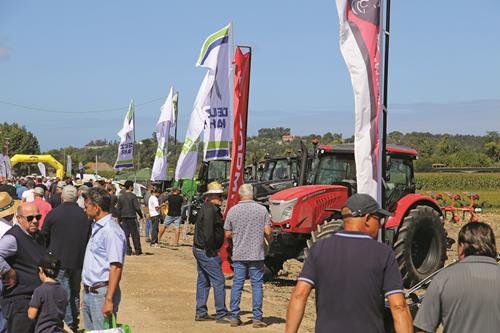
(61,184)
(361,204)
(38,190)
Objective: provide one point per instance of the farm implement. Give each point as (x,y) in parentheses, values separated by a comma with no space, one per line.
(457,208)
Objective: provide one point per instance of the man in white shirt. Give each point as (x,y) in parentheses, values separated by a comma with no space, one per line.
(29,194)
(154,212)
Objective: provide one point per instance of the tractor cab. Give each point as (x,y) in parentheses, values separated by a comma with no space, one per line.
(279,168)
(335,165)
(214,170)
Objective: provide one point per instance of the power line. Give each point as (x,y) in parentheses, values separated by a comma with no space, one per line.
(33,108)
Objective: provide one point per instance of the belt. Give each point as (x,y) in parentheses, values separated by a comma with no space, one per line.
(93,289)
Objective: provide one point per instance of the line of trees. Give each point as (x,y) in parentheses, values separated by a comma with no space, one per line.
(452,150)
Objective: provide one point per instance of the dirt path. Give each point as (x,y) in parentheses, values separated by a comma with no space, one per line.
(158,291)
(158,295)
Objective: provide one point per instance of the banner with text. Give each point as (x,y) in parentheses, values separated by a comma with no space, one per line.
(240,107)
(240,103)
(125,159)
(211,107)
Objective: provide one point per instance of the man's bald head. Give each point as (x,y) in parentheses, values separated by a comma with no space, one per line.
(25,212)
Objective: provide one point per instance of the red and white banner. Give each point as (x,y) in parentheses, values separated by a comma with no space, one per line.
(359,43)
(241,88)
(237,171)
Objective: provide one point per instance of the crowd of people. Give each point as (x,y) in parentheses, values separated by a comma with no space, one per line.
(61,237)
(57,238)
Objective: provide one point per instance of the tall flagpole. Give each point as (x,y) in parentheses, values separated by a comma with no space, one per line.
(133,151)
(231,71)
(176,117)
(385,80)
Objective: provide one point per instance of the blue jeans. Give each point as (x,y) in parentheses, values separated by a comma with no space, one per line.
(149,227)
(256,271)
(70,279)
(92,307)
(209,274)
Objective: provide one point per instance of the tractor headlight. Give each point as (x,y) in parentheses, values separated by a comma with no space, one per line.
(287,213)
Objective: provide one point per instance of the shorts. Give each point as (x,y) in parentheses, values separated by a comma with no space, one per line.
(176,220)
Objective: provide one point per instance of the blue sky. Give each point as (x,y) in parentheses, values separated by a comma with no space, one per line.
(444,73)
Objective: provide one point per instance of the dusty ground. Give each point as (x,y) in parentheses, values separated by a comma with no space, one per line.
(158,295)
(158,291)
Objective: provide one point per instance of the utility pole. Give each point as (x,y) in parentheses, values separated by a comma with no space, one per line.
(6,146)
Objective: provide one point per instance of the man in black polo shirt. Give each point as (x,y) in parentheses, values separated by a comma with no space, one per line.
(352,274)
(128,208)
(67,230)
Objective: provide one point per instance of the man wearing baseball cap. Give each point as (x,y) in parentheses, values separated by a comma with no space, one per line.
(352,274)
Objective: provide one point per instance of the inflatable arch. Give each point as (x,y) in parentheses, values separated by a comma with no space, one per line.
(20,158)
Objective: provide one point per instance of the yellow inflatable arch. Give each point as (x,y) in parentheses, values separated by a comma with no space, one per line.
(20,158)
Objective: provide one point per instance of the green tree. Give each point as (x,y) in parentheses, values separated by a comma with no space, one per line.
(21,141)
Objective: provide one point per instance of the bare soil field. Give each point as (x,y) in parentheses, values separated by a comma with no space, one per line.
(158,291)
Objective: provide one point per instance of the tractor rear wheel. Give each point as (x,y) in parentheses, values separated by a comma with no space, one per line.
(420,246)
(324,230)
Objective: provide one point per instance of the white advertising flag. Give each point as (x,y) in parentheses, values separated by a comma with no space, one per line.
(8,168)
(211,107)
(69,166)
(125,159)
(162,129)
(3,167)
(359,36)
(42,169)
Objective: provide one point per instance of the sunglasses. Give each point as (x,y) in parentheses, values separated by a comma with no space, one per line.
(30,218)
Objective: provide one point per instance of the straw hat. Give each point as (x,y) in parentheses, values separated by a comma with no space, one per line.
(8,205)
(214,188)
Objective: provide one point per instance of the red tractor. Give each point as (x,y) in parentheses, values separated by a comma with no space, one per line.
(302,215)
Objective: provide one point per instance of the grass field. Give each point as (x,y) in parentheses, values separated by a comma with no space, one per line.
(487,185)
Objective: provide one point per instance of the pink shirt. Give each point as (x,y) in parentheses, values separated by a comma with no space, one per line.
(44,207)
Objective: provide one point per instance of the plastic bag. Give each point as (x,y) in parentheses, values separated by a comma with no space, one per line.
(110,326)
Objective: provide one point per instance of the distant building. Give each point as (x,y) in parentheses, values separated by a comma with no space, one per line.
(288,138)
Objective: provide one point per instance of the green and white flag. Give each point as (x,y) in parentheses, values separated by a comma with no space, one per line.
(211,107)
(125,159)
(162,129)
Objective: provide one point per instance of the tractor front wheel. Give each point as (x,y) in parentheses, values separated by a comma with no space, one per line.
(420,246)
(324,230)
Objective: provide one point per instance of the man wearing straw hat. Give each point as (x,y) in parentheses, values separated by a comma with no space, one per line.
(208,238)
(8,208)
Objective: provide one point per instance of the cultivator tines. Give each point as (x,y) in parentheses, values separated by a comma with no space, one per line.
(457,205)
